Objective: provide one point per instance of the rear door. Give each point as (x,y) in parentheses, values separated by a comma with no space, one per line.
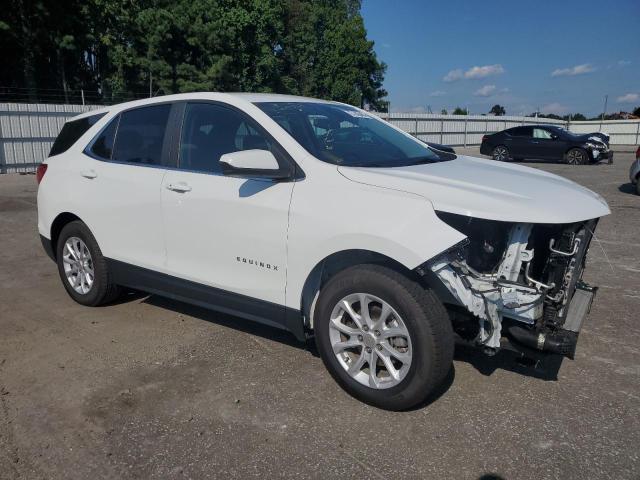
(121,177)
(221,231)
(519,142)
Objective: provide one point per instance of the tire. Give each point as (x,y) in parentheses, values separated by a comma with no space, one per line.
(428,345)
(501,153)
(101,289)
(638,186)
(576,156)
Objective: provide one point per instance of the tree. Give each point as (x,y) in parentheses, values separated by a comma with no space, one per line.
(636,111)
(460,111)
(122,49)
(497,110)
(578,117)
(444,112)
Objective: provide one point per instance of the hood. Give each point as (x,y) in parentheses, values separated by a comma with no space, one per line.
(488,189)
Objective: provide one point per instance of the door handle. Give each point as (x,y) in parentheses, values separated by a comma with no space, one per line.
(90,174)
(180,187)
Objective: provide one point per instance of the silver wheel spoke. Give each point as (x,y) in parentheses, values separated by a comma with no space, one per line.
(364,310)
(374,382)
(388,349)
(341,327)
(393,332)
(347,307)
(389,365)
(357,364)
(342,346)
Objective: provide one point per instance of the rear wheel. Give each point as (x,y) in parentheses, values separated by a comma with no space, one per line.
(384,338)
(500,153)
(83,270)
(576,156)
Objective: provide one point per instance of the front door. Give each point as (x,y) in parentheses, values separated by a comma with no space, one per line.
(225,232)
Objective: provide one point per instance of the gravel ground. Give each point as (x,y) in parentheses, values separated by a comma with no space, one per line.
(150,388)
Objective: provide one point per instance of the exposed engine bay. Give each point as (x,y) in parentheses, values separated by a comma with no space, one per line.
(521,281)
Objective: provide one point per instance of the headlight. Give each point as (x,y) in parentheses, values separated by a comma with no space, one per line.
(591,145)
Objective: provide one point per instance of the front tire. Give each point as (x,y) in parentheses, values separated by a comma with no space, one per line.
(82,267)
(403,331)
(500,153)
(577,156)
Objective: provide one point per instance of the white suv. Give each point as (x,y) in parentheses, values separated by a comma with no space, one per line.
(321,219)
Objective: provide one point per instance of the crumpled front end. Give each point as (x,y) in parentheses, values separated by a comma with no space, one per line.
(519,281)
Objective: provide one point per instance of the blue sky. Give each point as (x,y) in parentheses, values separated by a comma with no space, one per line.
(562,56)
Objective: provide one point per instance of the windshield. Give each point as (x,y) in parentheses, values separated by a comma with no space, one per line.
(344,135)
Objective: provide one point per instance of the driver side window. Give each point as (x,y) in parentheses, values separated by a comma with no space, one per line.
(210,131)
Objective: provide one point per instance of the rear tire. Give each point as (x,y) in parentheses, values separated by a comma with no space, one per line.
(501,153)
(82,267)
(411,344)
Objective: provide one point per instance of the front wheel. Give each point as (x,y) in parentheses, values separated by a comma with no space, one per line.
(576,156)
(500,153)
(384,338)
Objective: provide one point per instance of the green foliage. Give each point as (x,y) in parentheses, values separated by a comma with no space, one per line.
(636,111)
(460,111)
(498,110)
(122,48)
(444,112)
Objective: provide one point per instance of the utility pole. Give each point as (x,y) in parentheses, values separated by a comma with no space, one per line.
(604,111)
(82,95)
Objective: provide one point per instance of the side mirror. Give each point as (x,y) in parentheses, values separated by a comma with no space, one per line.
(554,136)
(252,164)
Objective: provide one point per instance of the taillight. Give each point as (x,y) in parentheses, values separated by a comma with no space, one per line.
(485,138)
(40,171)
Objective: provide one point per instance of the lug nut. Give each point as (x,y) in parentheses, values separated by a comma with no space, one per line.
(379,347)
(360,338)
(365,328)
(377,332)
(368,349)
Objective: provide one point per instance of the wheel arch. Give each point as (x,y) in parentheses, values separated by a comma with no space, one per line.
(339,261)
(57,225)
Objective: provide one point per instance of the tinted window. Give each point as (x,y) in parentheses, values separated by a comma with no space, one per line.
(344,135)
(140,135)
(71,132)
(520,132)
(102,146)
(209,131)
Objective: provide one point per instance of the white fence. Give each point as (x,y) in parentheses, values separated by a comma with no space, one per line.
(27,131)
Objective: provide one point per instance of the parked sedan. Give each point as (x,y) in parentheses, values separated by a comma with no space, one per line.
(545,142)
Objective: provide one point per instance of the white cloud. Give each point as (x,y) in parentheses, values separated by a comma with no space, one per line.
(555,107)
(485,71)
(571,71)
(453,75)
(474,72)
(485,91)
(628,98)
(437,93)
(624,63)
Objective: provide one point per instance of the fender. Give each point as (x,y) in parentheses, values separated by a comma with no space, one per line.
(322,222)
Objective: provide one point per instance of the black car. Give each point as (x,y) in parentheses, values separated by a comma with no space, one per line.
(547,142)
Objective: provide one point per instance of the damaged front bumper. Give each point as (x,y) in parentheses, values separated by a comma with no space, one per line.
(517,281)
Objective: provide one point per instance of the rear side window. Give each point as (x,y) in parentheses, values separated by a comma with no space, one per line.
(140,135)
(71,132)
(102,146)
(520,132)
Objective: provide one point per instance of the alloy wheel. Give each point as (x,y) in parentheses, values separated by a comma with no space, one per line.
(78,265)
(575,157)
(370,340)
(500,154)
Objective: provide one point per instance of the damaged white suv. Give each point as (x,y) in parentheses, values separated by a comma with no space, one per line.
(321,219)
